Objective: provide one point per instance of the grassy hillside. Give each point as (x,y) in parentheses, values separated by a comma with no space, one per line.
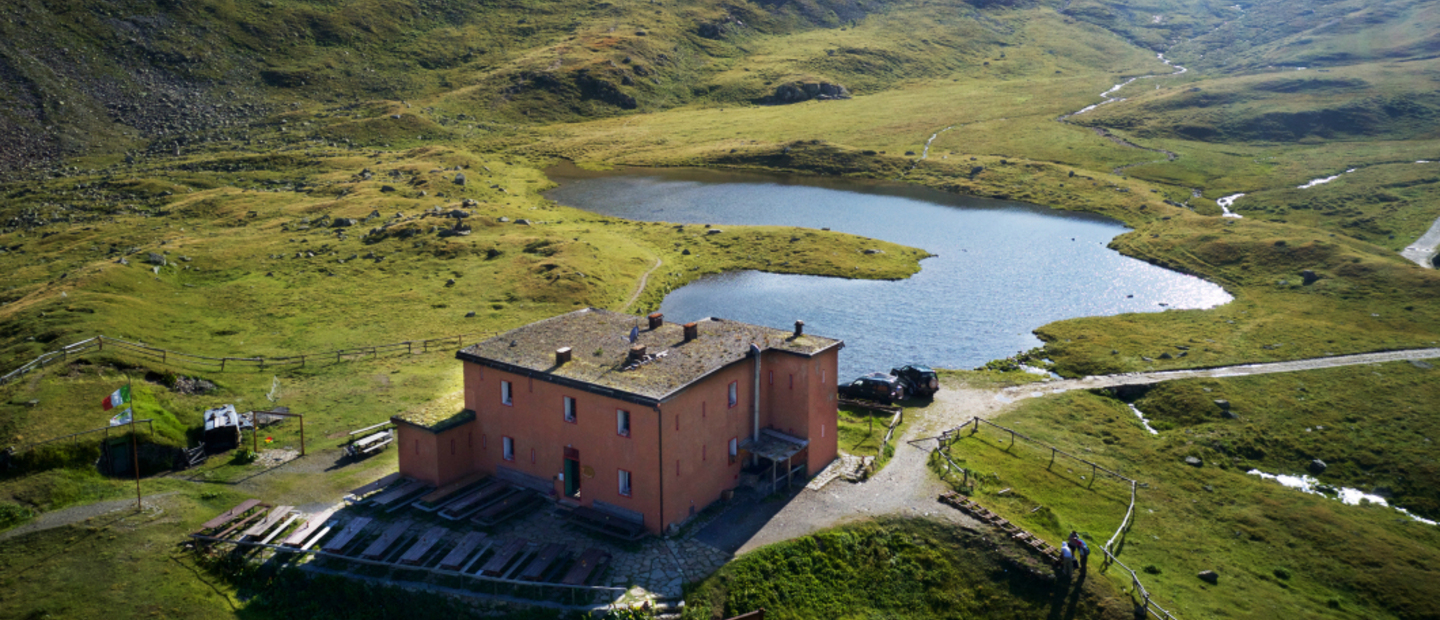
(1279,553)
(895,568)
(292,166)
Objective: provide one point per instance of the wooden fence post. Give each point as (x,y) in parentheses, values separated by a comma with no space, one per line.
(222,364)
(1052,458)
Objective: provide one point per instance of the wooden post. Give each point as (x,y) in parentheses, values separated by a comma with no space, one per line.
(425,346)
(222,364)
(410,347)
(101,341)
(977,426)
(1052,458)
(302,435)
(1012,440)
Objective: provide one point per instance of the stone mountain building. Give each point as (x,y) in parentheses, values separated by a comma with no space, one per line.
(652,431)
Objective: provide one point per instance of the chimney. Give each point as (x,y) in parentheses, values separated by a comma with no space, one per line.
(799,329)
(692,331)
(656,320)
(562,355)
(637,352)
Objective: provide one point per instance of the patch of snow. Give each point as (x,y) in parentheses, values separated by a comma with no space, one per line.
(1423,161)
(1346,495)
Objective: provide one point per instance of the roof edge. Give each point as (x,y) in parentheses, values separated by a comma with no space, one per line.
(629,397)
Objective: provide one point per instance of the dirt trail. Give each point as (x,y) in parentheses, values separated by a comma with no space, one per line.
(906,486)
(61,518)
(640,288)
(1422,252)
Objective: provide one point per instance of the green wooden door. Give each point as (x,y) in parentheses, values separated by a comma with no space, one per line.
(572,477)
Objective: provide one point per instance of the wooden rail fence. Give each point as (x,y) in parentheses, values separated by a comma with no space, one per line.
(236,363)
(946,438)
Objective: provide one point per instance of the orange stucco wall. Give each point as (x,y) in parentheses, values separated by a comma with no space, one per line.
(436,458)
(682,444)
(536,422)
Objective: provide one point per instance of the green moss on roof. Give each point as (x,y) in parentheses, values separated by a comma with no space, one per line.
(600,346)
(439,414)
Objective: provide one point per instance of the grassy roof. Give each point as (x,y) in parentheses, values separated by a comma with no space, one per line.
(439,414)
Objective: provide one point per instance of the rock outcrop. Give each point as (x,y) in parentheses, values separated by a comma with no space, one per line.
(795,92)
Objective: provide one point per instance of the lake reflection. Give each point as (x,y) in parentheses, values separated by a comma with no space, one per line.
(1002,269)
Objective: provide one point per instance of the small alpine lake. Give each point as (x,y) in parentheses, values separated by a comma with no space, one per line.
(1001,268)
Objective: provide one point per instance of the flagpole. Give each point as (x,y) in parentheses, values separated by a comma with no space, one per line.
(134,445)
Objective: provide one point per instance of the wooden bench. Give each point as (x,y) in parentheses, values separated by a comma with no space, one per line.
(423,546)
(588,565)
(350,531)
(502,558)
(270,520)
(536,569)
(229,515)
(387,539)
(433,500)
(411,487)
(504,509)
(362,492)
(608,524)
(474,500)
(456,557)
(312,525)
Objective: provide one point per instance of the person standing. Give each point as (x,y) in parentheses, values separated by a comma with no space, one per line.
(1081,549)
(1067,560)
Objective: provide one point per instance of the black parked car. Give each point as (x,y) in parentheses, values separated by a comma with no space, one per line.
(919,380)
(874,386)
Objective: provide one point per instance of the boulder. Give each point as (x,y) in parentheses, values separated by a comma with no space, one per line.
(1222,403)
(523,222)
(1317,466)
(1308,277)
(386,188)
(155,259)
(1193,461)
(1209,576)
(795,92)
(343,222)
(460,179)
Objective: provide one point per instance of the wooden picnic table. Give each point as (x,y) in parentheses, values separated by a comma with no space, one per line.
(580,572)
(351,530)
(394,495)
(269,521)
(474,499)
(230,515)
(238,525)
(502,558)
(456,558)
(312,525)
(450,489)
(375,486)
(420,548)
(377,549)
(542,561)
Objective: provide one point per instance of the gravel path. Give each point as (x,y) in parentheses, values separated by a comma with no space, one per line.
(1423,250)
(61,518)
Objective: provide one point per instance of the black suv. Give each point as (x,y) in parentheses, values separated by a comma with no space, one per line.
(919,380)
(874,386)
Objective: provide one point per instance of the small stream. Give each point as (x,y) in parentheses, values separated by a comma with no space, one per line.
(1002,268)
(1347,495)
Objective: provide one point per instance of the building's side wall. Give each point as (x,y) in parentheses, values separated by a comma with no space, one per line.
(436,458)
(786,406)
(537,423)
(417,453)
(823,412)
(699,424)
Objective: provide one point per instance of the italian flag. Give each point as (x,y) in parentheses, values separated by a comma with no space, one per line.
(120,397)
